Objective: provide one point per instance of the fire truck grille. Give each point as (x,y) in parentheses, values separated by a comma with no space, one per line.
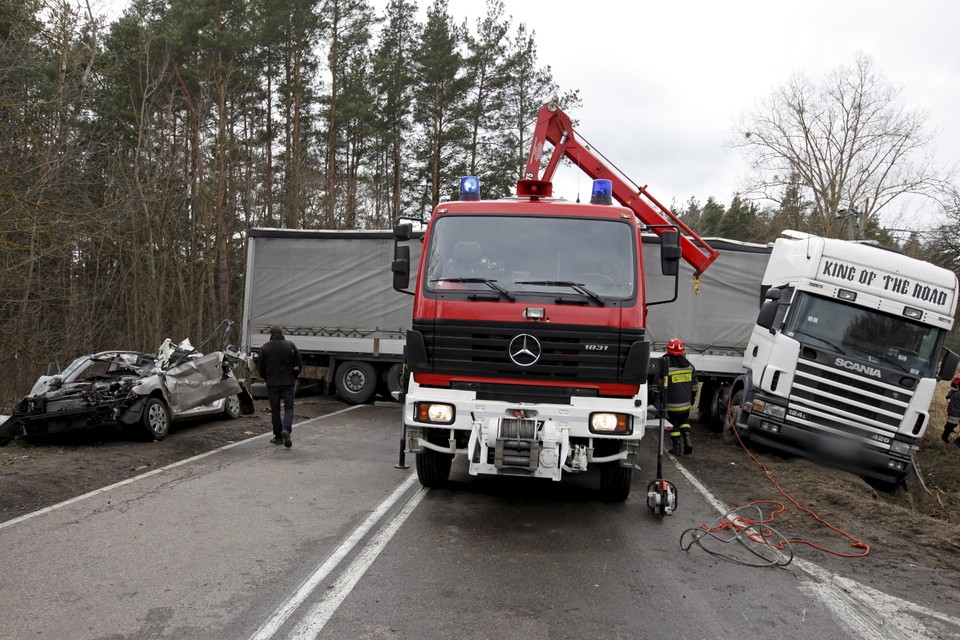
(528,351)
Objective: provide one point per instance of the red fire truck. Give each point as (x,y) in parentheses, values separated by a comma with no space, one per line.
(527,352)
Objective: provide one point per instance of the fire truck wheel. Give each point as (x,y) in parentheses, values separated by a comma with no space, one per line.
(356,381)
(156,419)
(433,467)
(615,481)
(729,433)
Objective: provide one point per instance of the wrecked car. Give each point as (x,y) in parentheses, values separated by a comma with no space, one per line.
(133,389)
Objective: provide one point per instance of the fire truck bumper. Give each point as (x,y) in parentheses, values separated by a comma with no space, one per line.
(528,439)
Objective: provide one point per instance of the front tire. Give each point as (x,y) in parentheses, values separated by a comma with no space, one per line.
(356,381)
(231,407)
(156,419)
(729,419)
(615,481)
(433,468)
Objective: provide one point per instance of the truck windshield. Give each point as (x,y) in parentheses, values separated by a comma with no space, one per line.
(530,255)
(866,334)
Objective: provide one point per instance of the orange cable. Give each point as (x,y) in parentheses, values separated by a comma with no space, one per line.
(740,523)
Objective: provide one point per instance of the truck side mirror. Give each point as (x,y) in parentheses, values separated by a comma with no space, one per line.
(670,252)
(948,365)
(403,232)
(768,309)
(401,267)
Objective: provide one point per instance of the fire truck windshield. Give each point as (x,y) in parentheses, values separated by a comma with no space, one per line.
(866,334)
(529,255)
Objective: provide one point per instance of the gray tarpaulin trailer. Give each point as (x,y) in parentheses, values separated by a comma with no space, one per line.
(715,324)
(332,292)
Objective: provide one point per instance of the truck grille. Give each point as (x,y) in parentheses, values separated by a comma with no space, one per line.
(567,353)
(845,401)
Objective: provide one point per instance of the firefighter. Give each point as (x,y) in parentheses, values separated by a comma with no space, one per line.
(682,387)
(953,410)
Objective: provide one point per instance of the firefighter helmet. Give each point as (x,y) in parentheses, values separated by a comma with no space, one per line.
(675,347)
(955,382)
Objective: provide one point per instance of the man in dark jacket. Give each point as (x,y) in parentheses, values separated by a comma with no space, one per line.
(279,364)
(682,387)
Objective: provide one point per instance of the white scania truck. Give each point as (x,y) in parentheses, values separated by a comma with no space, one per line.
(843,361)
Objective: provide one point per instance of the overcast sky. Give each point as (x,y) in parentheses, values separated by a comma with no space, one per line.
(662,83)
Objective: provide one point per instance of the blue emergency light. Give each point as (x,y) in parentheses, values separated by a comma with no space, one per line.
(469,188)
(602,192)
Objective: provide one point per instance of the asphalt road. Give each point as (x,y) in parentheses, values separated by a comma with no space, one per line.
(329,540)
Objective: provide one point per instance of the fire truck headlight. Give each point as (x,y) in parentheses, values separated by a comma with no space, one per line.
(619,423)
(435,413)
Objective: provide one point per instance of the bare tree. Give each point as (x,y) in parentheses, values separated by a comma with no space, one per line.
(851,142)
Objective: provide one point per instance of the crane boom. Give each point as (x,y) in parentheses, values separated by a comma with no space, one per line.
(554,126)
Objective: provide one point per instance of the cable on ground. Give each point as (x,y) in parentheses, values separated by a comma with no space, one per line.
(766,544)
(757,530)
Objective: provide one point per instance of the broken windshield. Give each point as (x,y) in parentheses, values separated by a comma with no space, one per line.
(588,257)
(865,334)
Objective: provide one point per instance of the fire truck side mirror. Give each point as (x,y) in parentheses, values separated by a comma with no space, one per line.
(401,267)
(402,232)
(670,252)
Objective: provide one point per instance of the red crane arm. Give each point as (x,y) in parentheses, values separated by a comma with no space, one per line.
(554,126)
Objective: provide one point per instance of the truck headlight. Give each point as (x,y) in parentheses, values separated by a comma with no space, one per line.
(903,448)
(619,423)
(434,412)
(774,410)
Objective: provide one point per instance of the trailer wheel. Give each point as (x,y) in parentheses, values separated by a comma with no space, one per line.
(356,381)
(394,379)
(156,419)
(433,467)
(729,419)
(707,413)
(615,481)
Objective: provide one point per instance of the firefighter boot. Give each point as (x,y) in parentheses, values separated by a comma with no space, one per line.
(675,445)
(687,441)
(947,430)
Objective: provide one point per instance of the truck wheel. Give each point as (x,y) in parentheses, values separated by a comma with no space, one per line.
(156,419)
(729,419)
(231,407)
(394,379)
(356,382)
(615,481)
(707,414)
(433,467)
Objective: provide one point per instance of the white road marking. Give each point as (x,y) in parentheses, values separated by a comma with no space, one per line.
(269,628)
(313,623)
(862,611)
(96,492)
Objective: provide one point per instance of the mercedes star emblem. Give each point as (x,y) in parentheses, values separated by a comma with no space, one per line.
(524,350)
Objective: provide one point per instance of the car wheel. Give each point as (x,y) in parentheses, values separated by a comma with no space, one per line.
(356,382)
(156,419)
(433,468)
(231,407)
(729,419)
(615,481)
